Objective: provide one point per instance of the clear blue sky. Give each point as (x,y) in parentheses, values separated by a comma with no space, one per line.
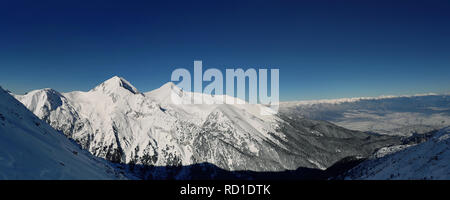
(324,49)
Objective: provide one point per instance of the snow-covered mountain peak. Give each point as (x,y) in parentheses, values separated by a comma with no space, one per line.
(116,84)
(168,85)
(168,88)
(46,91)
(168,93)
(47,99)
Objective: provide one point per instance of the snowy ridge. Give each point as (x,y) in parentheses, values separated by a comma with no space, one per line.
(31,149)
(116,122)
(157,128)
(427,160)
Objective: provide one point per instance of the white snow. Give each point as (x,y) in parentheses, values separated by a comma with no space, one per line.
(160,122)
(390,150)
(427,160)
(31,149)
(319,166)
(161,128)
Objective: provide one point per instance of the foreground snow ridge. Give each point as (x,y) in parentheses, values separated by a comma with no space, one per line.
(428,160)
(31,149)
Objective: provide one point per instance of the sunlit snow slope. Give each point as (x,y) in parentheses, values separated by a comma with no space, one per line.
(31,149)
(427,160)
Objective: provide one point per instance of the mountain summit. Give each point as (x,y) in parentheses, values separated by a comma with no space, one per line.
(115,84)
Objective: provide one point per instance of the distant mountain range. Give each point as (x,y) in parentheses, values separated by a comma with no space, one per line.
(116,122)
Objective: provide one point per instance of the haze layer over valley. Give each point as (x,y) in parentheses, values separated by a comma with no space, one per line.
(392,115)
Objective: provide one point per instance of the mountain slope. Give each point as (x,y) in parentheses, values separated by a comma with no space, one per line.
(393,115)
(427,160)
(31,149)
(117,122)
